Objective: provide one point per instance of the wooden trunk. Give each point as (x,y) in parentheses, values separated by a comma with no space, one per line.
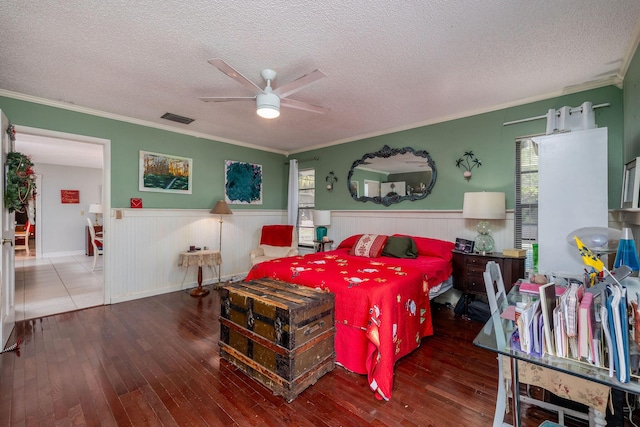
(278,333)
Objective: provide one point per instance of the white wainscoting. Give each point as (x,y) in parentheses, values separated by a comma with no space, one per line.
(142,248)
(445,225)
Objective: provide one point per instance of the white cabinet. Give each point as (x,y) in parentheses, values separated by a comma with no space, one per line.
(572,193)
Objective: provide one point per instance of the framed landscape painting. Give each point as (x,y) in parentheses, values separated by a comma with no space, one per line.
(165,173)
(242,183)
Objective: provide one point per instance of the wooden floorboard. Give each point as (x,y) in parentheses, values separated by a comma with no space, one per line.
(155,362)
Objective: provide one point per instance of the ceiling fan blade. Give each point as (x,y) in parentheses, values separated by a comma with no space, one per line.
(296,85)
(298,105)
(235,75)
(226,98)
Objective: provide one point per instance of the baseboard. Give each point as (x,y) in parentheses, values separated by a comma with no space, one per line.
(60,254)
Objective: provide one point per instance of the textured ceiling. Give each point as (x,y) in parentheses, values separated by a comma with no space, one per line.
(390,65)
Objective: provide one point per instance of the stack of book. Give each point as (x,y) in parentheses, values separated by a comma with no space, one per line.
(591,325)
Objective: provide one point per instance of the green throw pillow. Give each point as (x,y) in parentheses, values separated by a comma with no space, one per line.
(400,247)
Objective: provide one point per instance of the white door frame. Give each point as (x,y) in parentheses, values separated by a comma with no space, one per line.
(106,188)
(369,184)
(7,251)
(38,215)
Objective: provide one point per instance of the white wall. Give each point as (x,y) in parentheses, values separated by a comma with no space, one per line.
(63,225)
(142,248)
(444,225)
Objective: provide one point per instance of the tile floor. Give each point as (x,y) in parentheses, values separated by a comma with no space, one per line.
(49,286)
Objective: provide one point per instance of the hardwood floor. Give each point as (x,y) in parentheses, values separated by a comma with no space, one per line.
(155,361)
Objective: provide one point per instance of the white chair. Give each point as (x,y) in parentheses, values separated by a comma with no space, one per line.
(276,241)
(497,297)
(24,236)
(96,242)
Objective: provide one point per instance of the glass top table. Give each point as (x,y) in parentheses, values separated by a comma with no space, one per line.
(495,336)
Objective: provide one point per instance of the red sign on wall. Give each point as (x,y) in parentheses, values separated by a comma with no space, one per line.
(70,196)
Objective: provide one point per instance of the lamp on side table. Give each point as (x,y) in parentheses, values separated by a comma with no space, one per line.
(484,206)
(95,208)
(320,220)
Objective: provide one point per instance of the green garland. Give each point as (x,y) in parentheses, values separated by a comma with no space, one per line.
(21,183)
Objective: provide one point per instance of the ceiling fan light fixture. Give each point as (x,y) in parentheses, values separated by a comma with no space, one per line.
(268,105)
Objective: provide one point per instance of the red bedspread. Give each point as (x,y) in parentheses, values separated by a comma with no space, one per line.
(382,305)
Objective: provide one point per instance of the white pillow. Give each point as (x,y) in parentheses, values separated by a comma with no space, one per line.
(275,251)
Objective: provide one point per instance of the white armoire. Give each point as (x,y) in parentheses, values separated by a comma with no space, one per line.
(572,194)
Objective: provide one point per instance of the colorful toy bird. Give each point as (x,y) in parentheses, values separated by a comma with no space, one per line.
(588,257)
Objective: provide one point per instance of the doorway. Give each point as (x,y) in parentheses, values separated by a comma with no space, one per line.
(371,188)
(58,277)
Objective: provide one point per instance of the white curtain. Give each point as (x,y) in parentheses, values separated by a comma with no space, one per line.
(293,192)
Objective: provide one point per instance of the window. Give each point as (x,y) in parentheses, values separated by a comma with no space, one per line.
(526,204)
(306,205)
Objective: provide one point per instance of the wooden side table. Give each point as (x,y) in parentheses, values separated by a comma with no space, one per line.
(200,258)
(320,245)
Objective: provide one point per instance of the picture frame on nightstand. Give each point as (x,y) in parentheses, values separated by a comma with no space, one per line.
(631,185)
(464,245)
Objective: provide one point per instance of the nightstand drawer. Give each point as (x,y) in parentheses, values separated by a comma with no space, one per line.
(468,270)
(475,270)
(475,285)
(478,261)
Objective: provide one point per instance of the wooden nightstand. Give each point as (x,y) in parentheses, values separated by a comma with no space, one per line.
(320,245)
(468,270)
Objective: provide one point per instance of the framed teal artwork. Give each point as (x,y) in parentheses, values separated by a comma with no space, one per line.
(242,183)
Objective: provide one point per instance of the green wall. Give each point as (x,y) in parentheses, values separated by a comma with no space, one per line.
(128,139)
(486,136)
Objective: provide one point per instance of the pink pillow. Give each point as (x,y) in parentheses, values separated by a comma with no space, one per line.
(433,247)
(369,245)
(349,242)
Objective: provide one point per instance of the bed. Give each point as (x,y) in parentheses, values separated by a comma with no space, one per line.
(382,308)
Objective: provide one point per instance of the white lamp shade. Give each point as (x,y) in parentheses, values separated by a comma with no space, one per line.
(95,208)
(484,205)
(268,105)
(321,218)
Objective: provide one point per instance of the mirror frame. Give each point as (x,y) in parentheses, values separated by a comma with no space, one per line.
(387,152)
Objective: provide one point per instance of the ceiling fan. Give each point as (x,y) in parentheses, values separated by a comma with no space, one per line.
(268,100)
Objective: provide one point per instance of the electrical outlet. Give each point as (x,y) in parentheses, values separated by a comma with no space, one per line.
(81,213)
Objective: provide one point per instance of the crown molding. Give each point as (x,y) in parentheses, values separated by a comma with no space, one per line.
(105,115)
(614,80)
(631,50)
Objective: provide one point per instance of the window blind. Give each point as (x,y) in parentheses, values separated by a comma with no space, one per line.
(526,200)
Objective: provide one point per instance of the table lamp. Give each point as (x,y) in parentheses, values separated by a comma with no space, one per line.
(484,205)
(221,208)
(321,219)
(95,208)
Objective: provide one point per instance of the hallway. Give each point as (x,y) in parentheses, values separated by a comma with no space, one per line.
(56,285)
